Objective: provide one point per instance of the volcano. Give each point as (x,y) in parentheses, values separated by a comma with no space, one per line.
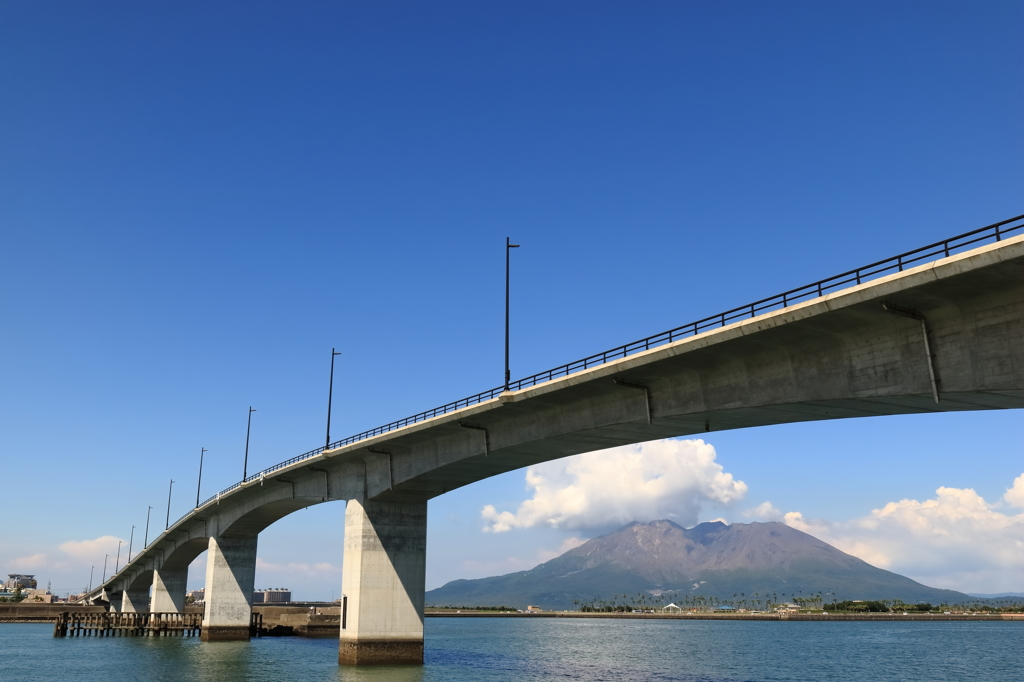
(709,560)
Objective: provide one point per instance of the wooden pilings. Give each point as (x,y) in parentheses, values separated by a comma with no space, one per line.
(127,624)
(256,628)
(114,624)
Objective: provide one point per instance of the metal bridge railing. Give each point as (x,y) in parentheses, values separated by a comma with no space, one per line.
(943,249)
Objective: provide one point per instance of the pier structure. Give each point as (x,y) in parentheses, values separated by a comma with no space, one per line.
(939,329)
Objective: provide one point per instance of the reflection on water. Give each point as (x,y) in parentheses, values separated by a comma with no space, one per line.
(517,650)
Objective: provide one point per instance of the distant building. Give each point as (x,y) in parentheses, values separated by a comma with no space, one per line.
(277,595)
(534,609)
(196,596)
(672,608)
(38,596)
(16,580)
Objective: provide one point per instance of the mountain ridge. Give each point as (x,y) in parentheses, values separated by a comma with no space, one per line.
(711,559)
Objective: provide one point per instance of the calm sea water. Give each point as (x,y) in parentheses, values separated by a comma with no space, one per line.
(495,649)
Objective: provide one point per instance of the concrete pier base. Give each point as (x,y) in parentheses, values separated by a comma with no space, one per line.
(169,590)
(383,583)
(225,633)
(230,574)
(380,652)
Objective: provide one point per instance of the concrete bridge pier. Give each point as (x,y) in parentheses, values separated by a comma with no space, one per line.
(169,587)
(383,583)
(230,574)
(112,597)
(135,598)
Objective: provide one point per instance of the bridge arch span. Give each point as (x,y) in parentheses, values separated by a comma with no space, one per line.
(944,336)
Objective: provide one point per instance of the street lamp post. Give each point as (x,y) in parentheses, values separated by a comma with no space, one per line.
(508,248)
(330,395)
(245,464)
(145,539)
(130,538)
(105,557)
(200,484)
(167,522)
(117,561)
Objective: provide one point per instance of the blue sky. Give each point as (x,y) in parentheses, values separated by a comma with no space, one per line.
(198,201)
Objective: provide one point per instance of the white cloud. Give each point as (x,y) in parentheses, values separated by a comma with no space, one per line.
(956,540)
(765,511)
(567,544)
(90,550)
(78,555)
(661,479)
(1015,495)
(473,568)
(29,563)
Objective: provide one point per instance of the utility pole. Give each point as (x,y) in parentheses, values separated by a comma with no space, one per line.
(508,248)
(145,540)
(167,523)
(330,395)
(200,484)
(245,464)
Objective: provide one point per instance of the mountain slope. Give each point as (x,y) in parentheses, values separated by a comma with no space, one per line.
(711,559)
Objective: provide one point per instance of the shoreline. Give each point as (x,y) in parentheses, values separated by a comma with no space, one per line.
(808,617)
(321,619)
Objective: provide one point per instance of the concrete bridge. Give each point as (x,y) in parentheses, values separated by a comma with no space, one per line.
(934,330)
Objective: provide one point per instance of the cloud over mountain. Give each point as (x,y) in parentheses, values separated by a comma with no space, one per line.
(956,540)
(670,479)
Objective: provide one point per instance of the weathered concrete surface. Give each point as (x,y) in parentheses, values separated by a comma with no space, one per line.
(230,574)
(383,582)
(135,595)
(42,613)
(169,590)
(302,621)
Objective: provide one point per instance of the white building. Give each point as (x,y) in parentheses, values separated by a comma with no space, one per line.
(276,595)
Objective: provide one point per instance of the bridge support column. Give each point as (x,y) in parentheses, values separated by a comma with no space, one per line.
(115,597)
(135,599)
(383,583)
(230,574)
(169,590)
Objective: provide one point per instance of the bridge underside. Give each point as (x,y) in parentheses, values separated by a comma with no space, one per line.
(452,476)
